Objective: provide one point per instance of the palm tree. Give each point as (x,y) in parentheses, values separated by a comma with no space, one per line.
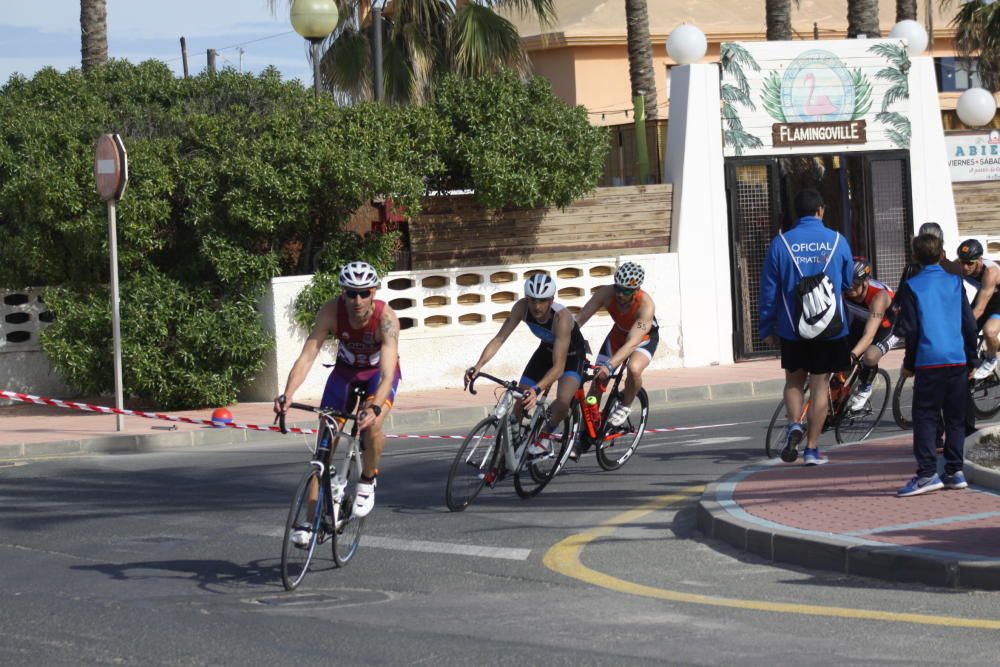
(640,54)
(778,14)
(862,18)
(93,33)
(906,9)
(423,40)
(977,36)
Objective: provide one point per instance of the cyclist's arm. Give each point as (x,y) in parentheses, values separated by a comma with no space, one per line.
(597,301)
(515,318)
(880,304)
(639,330)
(326,322)
(990,277)
(563,329)
(388,355)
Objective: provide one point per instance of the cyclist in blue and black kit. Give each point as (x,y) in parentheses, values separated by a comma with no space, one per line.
(560,358)
(983,275)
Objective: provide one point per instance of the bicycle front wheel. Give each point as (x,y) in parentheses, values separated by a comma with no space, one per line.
(857,425)
(774,441)
(902,403)
(533,473)
(618,443)
(303,516)
(347,532)
(475,461)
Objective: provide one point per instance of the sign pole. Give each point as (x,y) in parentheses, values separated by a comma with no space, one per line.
(115,311)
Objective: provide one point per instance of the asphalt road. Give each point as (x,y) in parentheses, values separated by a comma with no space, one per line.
(171,558)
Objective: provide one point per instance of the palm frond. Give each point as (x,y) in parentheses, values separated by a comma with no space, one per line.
(896,120)
(730,93)
(482,41)
(894,53)
(731,117)
(740,140)
(770,97)
(347,64)
(862,94)
(543,10)
(893,95)
(734,55)
(892,75)
(901,139)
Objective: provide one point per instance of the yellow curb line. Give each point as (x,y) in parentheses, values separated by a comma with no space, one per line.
(564,558)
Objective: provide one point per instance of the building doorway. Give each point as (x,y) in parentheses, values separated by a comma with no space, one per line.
(866,197)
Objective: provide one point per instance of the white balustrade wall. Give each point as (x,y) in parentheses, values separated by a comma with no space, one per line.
(448,316)
(23,366)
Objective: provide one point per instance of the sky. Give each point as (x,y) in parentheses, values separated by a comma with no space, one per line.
(39,33)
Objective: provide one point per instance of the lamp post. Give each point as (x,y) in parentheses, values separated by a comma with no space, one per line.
(314,20)
(377,7)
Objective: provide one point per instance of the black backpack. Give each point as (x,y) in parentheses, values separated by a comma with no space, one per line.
(819,316)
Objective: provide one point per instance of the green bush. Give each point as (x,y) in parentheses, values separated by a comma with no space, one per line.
(234,180)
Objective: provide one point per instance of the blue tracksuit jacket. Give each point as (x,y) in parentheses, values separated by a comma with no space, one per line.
(812,244)
(937,320)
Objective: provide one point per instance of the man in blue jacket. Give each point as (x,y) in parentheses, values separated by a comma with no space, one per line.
(807,249)
(940,351)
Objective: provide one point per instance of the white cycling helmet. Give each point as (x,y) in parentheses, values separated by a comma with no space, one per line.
(358,275)
(629,275)
(540,286)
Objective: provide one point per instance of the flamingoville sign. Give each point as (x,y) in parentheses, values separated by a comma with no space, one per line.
(792,97)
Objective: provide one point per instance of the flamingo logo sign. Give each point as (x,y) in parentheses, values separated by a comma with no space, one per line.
(789,97)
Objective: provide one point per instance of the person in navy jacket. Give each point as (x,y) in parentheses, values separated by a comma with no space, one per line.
(812,246)
(940,335)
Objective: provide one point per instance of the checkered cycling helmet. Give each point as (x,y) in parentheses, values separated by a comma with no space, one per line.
(540,286)
(629,275)
(970,250)
(358,275)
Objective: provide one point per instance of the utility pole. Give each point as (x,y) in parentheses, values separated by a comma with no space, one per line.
(184,56)
(211,61)
(242,51)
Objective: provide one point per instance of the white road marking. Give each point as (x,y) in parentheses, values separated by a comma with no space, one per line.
(423,546)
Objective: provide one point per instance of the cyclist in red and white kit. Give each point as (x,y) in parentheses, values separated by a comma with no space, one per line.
(872,324)
(635,331)
(367,331)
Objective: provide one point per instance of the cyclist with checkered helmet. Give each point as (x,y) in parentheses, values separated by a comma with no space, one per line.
(632,339)
(984,275)
(367,332)
(559,359)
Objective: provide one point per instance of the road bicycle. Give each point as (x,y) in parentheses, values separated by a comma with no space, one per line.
(614,445)
(985,395)
(498,446)
(324,499)
(848,425)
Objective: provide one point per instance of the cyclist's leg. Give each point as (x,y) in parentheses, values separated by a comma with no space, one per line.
(566,388)
(535,370)
(374,435)
(637,363)
(991,334)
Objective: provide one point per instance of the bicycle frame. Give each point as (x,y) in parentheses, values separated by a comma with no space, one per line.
(593,430)
(512,453)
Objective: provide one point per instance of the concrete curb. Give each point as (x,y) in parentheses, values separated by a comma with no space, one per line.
(829,552)
(399,422)
(977,474)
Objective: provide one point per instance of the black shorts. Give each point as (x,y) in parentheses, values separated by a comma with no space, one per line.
(541,362)
(816,356)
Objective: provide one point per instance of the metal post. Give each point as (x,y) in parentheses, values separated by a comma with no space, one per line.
(314,48)
(642,155)
(184,56)
(377,27)
(115,311)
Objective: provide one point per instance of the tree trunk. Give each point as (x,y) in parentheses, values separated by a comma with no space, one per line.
(862,18)
(93,33)
(640,54)
(906,9)
(779,19)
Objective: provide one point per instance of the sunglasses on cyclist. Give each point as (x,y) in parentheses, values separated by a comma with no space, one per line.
(972,263)
(357,293)
(625,291)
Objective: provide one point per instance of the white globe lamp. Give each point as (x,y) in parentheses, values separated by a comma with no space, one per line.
(314,19)
(976,107)
(686,44)
(913,33)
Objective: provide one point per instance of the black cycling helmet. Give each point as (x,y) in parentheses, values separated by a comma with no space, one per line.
(970,250)
(862,270)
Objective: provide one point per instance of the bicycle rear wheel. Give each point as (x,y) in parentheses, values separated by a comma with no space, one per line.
(857,425)
(986,396)
(295,559)
(534,473)
(774,441)
(347,533)
(902,403)
(618,444)
(476,458)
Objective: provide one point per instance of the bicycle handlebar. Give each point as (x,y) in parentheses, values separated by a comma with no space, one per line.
(506,384)
(280,417)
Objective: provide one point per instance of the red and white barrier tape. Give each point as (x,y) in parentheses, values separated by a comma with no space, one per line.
(86,407)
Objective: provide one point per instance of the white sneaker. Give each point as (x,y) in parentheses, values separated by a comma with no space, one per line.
(364,499)
(619,415)
(542,446)
(985,369)
(859,399)
(300,537)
